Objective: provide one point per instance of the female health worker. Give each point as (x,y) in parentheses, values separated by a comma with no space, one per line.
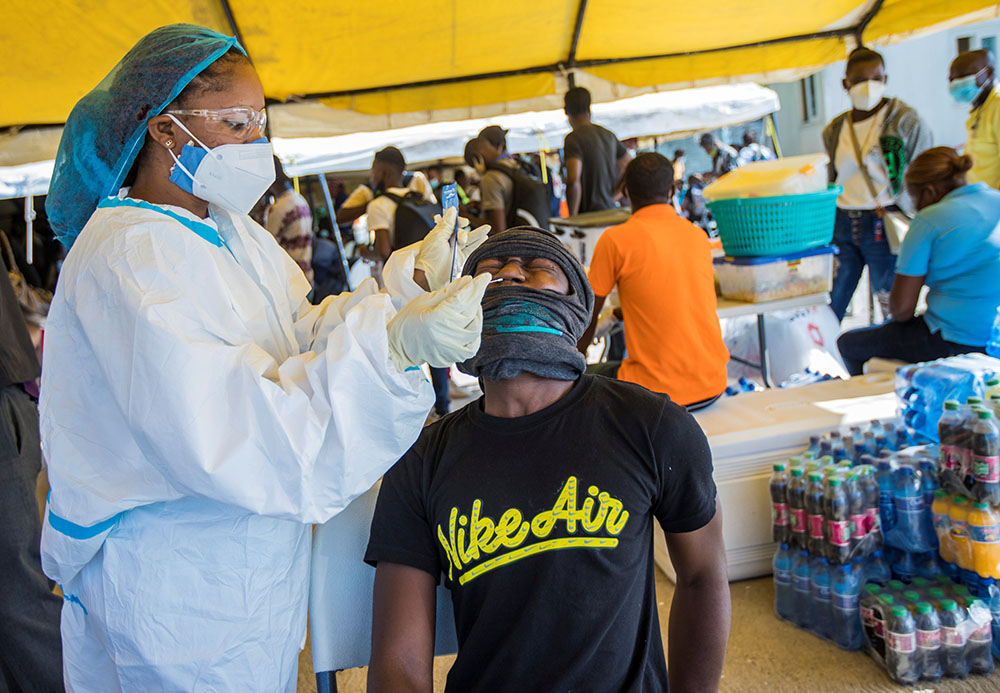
(952,247)
(197,412)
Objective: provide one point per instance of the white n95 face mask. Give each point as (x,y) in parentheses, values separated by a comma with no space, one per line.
(233,176)
(866,95)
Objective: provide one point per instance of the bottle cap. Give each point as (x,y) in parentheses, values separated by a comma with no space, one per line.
(940,493)
(952,405)
(793,461)
(885,598)
(995,396)
(943,579)
(836,481)
(899,611)
(872,588)
(815,476)
(920,582)
(974,400)
(936,592)
(959,499)
(854,477)
(797,471)
(923,608)
(984,414)
(992,382)
(825,460)
(911,596)
(961,590)
(779,467)
(948,604)
(981,506)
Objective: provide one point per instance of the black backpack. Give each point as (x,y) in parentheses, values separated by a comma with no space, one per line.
(531,198)
(414,218)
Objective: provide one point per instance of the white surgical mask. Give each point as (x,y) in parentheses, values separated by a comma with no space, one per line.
(866,95)
(233,176)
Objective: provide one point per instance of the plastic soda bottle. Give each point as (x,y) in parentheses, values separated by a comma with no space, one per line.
(958,517)
(908,501)
(856,512)
(797,508)
(905,567)
(992,387)
(953,637)
(814,510)
(969,419)
(778,485)
(803,588)
(877,569)
(940,509)
(977,648)
(950,452)
(928,641)
(867,605)
(901,646)
(846,626)
(838,524)
(881,615)
(887,510)
(822,617)
(929,566)
(984,537)
(873,522)
(784,593)
(985,447)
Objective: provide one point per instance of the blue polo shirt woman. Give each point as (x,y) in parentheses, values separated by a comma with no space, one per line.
(953,247)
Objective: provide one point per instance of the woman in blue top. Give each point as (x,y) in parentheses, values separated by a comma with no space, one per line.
(953,247)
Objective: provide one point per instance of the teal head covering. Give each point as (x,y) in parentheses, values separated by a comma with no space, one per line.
(107,127)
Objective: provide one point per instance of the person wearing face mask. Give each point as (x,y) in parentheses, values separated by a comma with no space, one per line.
(952,247)
(536,504)
(888,134)
(197,413)
(972,82)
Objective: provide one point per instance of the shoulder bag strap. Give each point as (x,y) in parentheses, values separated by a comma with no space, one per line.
(859,157)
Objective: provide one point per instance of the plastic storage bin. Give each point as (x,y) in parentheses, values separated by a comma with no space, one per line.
(790,175)
(758,279)
(754,226)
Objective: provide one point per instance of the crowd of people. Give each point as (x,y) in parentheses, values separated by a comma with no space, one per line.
(199,412)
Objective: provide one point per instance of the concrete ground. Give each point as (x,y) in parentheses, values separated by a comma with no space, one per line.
(765,655)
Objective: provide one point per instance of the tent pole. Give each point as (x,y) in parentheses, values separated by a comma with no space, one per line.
(29,228)
(336,230)
(234,27)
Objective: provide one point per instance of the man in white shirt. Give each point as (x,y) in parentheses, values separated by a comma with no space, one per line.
(890,134)
(387,175)
(972,81)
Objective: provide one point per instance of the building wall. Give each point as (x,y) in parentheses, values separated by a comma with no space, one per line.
(917,73)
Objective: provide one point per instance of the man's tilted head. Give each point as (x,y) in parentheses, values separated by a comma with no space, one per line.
(534,317)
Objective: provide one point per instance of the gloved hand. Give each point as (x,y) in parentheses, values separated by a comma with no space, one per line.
(434,255)
(439,327)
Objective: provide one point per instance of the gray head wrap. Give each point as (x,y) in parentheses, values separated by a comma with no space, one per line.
(528,330)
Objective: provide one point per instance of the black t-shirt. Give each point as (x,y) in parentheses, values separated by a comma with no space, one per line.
(18,363)
(562,597)
(599,150)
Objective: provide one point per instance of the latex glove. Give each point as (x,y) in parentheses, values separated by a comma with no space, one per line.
(439,327)
(434,255)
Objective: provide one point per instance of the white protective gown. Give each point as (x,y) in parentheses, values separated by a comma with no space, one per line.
(197,415)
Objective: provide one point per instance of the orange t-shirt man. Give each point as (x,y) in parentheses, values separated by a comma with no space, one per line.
(662,266)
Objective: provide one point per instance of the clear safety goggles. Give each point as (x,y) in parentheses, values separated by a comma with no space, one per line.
(238,121)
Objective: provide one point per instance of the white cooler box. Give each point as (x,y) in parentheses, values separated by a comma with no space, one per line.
(750,432)
(580,233)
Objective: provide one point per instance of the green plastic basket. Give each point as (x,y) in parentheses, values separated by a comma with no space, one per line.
(776,225)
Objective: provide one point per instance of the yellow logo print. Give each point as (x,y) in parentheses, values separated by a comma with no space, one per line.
(478,536)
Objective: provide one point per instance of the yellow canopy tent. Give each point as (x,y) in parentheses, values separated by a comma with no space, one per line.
(340,67)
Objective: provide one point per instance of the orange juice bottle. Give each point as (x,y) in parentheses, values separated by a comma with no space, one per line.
(942,524)
(984,537)
(959,516)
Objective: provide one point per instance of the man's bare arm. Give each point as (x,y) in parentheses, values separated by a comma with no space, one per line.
(904,296)
(574,189)
(700,612)
(347,215)
(403,616)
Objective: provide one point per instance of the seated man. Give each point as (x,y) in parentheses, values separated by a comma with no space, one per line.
(662,266)
(548,459)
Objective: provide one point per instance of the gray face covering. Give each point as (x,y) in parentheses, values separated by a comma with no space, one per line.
(529,330)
